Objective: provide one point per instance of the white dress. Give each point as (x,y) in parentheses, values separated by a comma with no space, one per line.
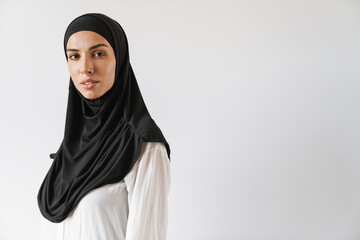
(135,208)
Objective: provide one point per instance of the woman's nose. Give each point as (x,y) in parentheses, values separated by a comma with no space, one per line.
(86,66)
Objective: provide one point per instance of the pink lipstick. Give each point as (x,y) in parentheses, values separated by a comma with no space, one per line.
(88,83)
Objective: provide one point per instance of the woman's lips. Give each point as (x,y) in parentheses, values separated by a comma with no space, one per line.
(88,84)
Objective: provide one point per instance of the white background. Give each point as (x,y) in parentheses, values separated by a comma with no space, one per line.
(259,100)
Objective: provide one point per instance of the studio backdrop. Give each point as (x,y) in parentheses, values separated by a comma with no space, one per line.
(258,99)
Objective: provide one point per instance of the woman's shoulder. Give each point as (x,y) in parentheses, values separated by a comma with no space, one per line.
(152,159)
(152,152)
(152,146)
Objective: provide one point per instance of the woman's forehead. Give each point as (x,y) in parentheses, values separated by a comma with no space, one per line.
(86,38)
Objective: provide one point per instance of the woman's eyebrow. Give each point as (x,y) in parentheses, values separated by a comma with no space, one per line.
(90,48)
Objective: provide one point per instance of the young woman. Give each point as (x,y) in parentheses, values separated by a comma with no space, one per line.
(110,177)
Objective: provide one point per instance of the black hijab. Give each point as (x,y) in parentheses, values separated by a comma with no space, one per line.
(103,136)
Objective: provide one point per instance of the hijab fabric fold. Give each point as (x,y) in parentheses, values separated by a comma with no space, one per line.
(103,136)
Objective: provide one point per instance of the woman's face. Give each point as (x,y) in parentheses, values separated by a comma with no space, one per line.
(91,63)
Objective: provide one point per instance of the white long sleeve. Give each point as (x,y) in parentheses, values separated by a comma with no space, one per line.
(148,186)
(135,208)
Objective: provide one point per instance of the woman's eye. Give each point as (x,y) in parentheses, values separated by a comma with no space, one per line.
(99,54)
(73,56)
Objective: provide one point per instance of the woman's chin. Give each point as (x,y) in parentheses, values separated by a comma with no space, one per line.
(91,95)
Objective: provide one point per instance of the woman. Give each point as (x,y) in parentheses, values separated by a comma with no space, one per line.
(110,177)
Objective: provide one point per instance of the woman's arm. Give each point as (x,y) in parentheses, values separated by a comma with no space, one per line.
(148,186)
